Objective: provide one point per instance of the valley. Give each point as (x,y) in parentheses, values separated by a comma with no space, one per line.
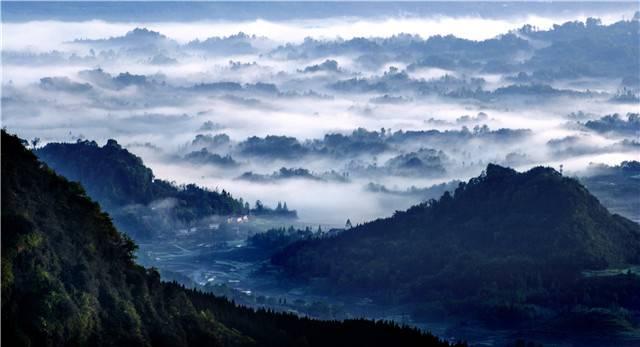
(313,174)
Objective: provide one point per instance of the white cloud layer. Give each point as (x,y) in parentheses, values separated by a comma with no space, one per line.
(168,110)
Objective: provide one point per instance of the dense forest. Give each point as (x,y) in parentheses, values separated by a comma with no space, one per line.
(115,177)
(509,248)
(70,278)
(276,239)
(596,50)
(140,204)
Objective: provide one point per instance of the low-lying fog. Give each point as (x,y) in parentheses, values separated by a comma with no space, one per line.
(372,110)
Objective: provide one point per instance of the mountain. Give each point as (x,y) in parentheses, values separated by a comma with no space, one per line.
(138,41)
(604,50)
(510,247)
(70,278)
(128,190)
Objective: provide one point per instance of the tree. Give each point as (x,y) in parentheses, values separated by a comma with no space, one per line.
(348,225)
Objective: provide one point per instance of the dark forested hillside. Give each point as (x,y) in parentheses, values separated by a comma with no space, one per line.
(116,177)
(121,183)
(506,245)
(70,278)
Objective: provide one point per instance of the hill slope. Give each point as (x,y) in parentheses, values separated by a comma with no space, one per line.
(125,187)
(69,278)
(512,245)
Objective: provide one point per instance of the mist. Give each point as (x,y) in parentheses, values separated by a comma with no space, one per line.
(355,101)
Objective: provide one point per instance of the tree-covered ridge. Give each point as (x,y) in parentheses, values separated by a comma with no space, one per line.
(570,50)
(69,278)
(505,245)
(141,205)
(116,177)
(278,238)
(596,49)
(505,213)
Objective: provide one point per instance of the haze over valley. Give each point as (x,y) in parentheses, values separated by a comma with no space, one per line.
(209,101)
(422,163)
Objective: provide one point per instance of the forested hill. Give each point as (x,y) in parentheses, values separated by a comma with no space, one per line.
(69,279)
(513,244)
(118,180)
(539,214)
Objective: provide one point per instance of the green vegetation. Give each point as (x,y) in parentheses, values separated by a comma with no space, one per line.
(116,177)
(508,247)
(126,188)
(596,49)
(277,238)
(281,211)
(70,278)
(141,205)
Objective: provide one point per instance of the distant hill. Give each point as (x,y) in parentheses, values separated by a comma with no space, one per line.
(508,246)
(618,187)
(125,187)
(69,278)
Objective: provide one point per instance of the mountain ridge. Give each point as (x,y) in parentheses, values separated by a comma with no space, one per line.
(118,179)
(506,247)
(70,278)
